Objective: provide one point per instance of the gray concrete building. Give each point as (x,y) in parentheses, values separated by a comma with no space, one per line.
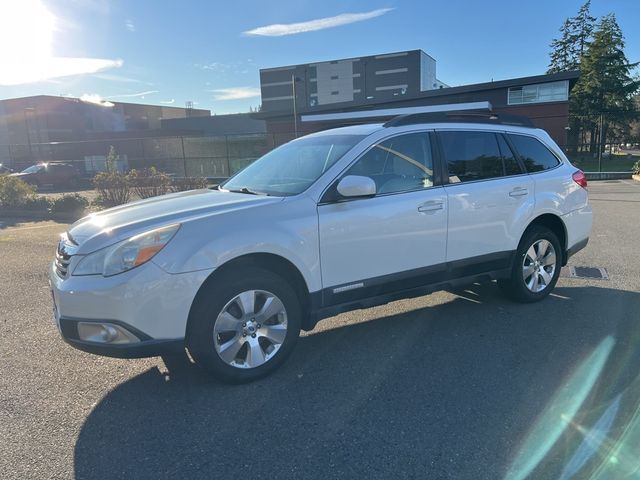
(348,82)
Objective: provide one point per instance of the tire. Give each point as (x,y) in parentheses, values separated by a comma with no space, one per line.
(536,266)
(239,347)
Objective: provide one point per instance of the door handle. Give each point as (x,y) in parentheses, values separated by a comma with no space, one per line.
(431,207)
(518,192)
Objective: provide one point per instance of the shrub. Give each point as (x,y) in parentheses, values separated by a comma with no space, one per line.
(14,193)
(188,183)
(114,188)
(149,182)
(73,204)
(37,205)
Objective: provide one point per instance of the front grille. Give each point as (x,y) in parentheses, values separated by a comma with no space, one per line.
(66,249)
(62,263)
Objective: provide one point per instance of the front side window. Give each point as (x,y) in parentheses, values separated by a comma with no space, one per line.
(399,164)
(535,156)
(293,167)
(471,155)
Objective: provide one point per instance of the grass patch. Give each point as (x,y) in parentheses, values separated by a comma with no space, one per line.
(613,163)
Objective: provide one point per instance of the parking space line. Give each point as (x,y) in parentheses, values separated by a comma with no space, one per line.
(34,227)
(635,184)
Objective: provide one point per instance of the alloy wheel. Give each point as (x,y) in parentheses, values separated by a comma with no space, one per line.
(250,329)
(539,265)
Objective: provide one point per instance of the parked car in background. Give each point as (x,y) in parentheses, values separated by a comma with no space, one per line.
(338,220)
(50,174)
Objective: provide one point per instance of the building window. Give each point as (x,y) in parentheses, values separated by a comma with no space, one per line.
(335,92)
(334,77)
(543,92)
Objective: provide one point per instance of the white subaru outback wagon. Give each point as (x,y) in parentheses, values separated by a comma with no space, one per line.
(338,220)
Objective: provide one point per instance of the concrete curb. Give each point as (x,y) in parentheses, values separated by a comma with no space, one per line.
(607,175)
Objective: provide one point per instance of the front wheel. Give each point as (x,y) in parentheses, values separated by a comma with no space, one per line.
(536,266)
(244,325)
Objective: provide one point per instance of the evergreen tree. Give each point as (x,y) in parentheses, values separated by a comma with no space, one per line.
(583,25)
(606,86)
(563,50)
(575,35)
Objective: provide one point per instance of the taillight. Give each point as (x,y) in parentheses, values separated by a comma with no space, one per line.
(580,178)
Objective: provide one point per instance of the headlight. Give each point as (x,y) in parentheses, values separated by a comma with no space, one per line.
(126,255)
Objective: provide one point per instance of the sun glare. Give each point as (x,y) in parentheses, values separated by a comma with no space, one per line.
(26,46)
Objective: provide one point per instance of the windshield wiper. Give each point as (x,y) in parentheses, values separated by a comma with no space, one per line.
(247,190)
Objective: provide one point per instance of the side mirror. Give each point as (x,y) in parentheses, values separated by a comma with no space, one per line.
(356,186)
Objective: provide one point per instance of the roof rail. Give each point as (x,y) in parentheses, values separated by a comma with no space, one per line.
(462,117)
(394,112)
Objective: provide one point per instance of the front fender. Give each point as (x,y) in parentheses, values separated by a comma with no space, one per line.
(288,229)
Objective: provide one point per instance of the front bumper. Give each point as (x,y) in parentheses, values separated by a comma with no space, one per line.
(147,302)
(146,347)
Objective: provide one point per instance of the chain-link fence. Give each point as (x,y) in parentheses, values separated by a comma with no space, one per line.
(593,143)
(183,156)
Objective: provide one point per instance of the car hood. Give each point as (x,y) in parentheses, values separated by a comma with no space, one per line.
(105,228)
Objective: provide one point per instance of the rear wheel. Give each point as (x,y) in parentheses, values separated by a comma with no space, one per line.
(244,325)
(536,267)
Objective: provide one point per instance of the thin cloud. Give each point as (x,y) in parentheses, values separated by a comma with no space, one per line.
(130,25)
(134,95)
(117,78)
(28,26)
(235,93)
(168,102)
(279,29)
(214,66)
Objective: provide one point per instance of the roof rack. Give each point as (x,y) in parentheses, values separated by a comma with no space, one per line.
(466,117)
(394,112)
(467,112)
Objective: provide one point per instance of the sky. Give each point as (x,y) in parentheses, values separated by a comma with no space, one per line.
(168,52)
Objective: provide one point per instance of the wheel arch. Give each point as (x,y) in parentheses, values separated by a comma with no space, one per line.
(556,225)
(268,261)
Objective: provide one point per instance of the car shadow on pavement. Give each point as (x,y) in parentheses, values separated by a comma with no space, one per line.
(447,391)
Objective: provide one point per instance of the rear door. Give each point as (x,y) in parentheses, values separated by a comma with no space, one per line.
(490,199)
(394,240)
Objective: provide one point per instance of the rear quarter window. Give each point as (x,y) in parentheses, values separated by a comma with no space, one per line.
(535,156)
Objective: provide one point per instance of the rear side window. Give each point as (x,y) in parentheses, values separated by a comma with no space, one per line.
(471,155)
(511,165)
(535,156)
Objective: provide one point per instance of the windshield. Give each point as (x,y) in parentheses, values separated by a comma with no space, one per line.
(33,169)
(293,167)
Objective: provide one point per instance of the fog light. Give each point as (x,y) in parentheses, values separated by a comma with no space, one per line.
(105,333)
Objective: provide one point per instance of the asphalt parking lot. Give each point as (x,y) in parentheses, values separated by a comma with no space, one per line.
(463,385)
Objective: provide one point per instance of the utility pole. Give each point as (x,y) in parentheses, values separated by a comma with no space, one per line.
(26,126)
(295,112)
(184,158)
(601,143)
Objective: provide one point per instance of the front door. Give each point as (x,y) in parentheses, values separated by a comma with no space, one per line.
(394,240)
